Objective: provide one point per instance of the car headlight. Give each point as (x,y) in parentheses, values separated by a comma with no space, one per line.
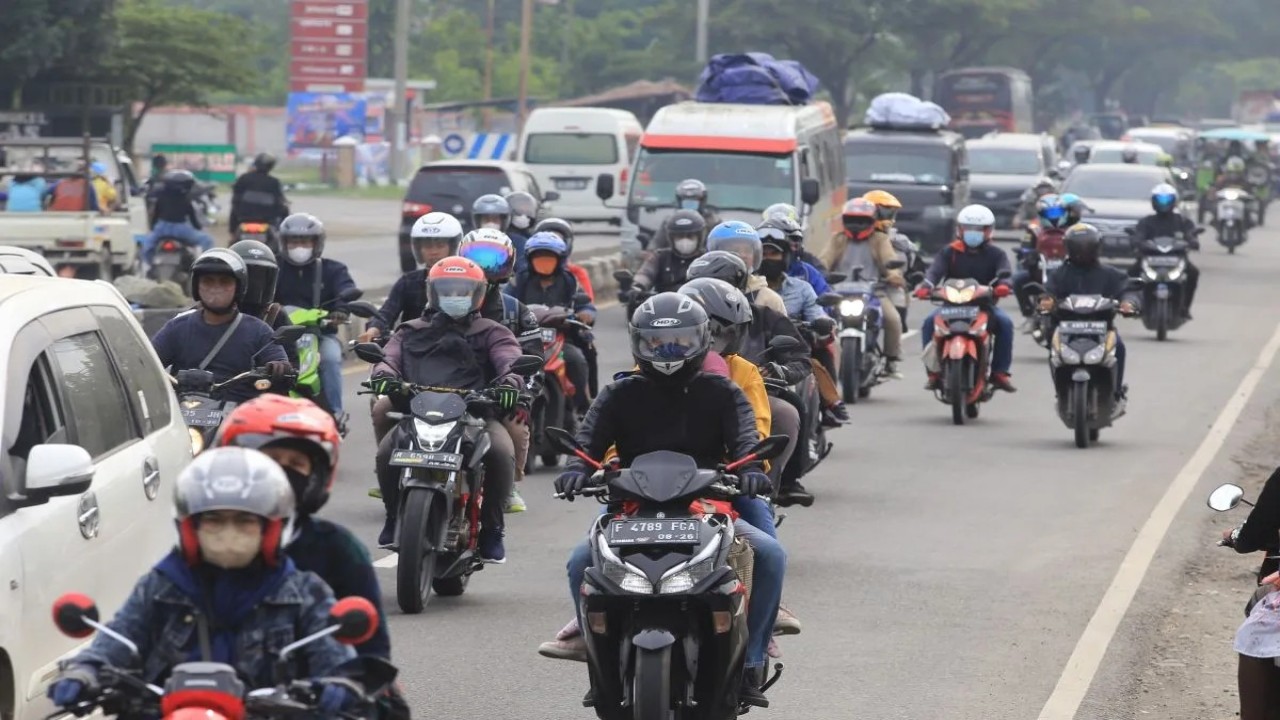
(197,440)
(1094,356)
(684,580)
(852,308)
(432,436)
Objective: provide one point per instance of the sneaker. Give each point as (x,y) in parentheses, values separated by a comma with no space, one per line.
(574,649)
(513,503)
(387,538)
(934,381)
(750,693)
(490,548)
(1002,382)
(794,494)
(787,623)
(891,370)
(840,412)
(375,493)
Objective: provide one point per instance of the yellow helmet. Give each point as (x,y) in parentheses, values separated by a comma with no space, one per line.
(887,207)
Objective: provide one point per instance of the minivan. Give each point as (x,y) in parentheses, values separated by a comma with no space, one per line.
(567,148)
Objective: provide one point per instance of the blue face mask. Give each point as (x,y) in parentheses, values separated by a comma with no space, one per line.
(688,204)
(455,306)
(974,238)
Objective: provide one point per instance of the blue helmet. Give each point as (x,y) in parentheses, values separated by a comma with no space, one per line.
(740,239)
(1164,198)
(1074,207)
(1051,211)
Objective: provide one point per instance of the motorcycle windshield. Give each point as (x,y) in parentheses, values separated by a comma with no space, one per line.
(662,477)
(437,407)
(849,287)
(1087,306)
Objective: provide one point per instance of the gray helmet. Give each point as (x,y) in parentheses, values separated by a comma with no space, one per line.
(239,479)
(264,162)
(302,226)
(524,211)
(490,205)
(728,310)
(691,194)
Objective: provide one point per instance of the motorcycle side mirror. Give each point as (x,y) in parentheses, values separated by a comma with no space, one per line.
(835,278)
(369,352)
(350,295)
(896,264)
(191,377)
(526,365)
(780,344)
(72,613)
(623,276)
(855,273)
(356,620)
(767,449)
(1034,288)
(915,278)
(1131,231)
(287,334)
(829,299)
(362,309)
(1226,497)
(563,441)
(1004,275)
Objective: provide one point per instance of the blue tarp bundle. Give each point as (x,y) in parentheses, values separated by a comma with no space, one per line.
(755,79)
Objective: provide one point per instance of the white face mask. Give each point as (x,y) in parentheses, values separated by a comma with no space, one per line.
(686,246)
(229,546)
(300,255)
(520,222)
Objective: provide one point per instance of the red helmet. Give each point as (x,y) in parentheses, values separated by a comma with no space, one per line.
(859,218)
(456,287)
(278,421)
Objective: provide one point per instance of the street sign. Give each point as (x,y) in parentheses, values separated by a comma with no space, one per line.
(329,45)
(326,50)
(339,9)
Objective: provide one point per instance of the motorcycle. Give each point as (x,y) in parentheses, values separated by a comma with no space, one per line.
(1164,289)
(553,399)
(314,322)
(205,198)
(172,261)
(264,233)
(813,447)
(861,323)
(1231,217)
(213,691)
(439,448)
(963,344)
(663,603)
(1044,265)
(628,293)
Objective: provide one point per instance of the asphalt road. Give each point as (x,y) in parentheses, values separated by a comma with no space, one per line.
(944,571)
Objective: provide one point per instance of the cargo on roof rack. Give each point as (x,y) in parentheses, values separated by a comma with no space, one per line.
(900,127)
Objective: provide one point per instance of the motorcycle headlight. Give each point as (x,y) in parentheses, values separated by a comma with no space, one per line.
(626,576)
(1094,356)
(852,308)
(197,440)
(432,436)
(683,580)
(1069,356)
(1150,272)
(1176,272)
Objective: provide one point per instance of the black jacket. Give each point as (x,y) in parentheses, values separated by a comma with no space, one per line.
(709,419)
(664,271)
(173,204)
(405,302)
(1097,280)
(257,197)
(1174,225)
(767,324)
(1261,530)
(332,552)
(516,316)
(956,261)
(296,285)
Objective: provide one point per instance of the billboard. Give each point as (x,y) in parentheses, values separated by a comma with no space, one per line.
(211,163)
(315,120)
(328,46)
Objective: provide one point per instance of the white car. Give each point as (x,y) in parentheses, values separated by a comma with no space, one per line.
(93,442)
(21,261)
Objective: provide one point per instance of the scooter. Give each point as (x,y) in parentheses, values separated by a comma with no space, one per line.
(553,401)
(861,323)
(963,345)
(264,233)
(1231,217)
(172,262)
(1164,283)
(315,321)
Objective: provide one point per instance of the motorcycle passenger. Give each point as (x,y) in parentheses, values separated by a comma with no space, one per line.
(1048,241)
(435,236)
(1075,208)
(691,194)
(257,196)
(490,211)
(665,269)
(219,281)
(563,229)
(791,368)
(493,252)
(863,244)
(1084,274)
(1166,221)
(790,212)
(452,346)
(260,290)
(310,280)
(524,213)
(742,240)
(789,231)
(229,576)
(547,282)
(973,256)
(1031,200)
(669,404)
(175,216)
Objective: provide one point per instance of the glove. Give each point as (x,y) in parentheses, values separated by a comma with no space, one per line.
(338,317)
(1002,291)
(506,397)
(823,326)
(753,483)
(335,697)
(774,370)
(66,692)
(382,385)
(922,292)
(277,369)
(570,483)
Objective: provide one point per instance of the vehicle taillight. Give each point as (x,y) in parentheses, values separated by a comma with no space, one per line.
(69,242)
(622,181)
(253,227)
(168,245)
(415,209)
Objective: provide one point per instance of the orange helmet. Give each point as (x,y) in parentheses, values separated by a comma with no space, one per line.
(456,287)
(294,423)
(887,207)
(859,218)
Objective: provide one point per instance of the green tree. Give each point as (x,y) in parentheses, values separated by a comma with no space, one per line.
(40,35)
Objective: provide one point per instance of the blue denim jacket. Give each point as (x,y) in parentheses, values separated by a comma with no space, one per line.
(160,617)
(800,299)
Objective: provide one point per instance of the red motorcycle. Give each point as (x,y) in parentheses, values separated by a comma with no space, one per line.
(963,344)
(554,392)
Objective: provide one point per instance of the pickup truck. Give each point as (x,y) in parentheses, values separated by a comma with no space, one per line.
(98,244)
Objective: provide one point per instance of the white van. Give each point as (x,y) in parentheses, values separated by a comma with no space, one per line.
(567,148)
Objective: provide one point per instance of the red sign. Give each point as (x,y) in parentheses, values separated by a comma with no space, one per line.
(327,29)
(328,50)
(329,47)
(338,9)
(327,69)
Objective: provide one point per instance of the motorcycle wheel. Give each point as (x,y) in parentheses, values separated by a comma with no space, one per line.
(850,370)
(1080,407)
(651,686)
(417,566)
(1162,318)
(955,386)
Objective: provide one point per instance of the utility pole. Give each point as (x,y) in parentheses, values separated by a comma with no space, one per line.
(566,35)
(487,113)
(704,10)
(400,116)
(526,30)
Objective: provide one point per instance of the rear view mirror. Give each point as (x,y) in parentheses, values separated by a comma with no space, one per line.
(829,299)
(362,309)
(1226,497)
(526,365)
(810,191)
(369,352)
(781,344)
(1004,274)
(915,278)
(1133,284)
(563,441)
(70,612)
(350,295)
(767,449)
(288,333)
(623,276)
(604,186)
(355,618)
(56,469)
(835,278)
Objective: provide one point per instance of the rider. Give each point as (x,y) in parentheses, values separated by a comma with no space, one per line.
(524,213)
(1168,222)
(219,281)
(1048,241)
(1075,208)
(791,232)
(864,245)
(669,404)
(1084,274)
(258,196)
(547,282)
(691,194)
(451,346)
(665,269)
(790,212)
(493,252)
(435,236)
(490,211)
(565,231)
(260,290)
(742,240)
(973,256)
(175,216)
(1031,200)
(309,280)
(790,367)
(226,587)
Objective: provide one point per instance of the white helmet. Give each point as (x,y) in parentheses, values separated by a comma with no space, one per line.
(976,216)
(436,227)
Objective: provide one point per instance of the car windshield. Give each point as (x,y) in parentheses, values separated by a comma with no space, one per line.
(460,184)
(1111,185)
(571,149)
(1167,142)
(1114,155)
(1003,161)
(735,181)
(907,164)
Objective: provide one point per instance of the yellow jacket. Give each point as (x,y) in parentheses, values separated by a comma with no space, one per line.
(106,193)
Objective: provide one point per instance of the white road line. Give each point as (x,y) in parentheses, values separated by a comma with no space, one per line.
(1083,664)
(389,561)
(910,333)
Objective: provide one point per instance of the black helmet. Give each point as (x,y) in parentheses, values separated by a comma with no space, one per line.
(721,265)
(728,310)
(302,226)
(524,211)
(1129,155)
(264,162)
(691,194)
(1083,244)
(773,236)
(181,180)
(220,261)
(158,163)
(670,337)
(1082,153)
(685,223)
(262,272)
(559,227)
(490,204)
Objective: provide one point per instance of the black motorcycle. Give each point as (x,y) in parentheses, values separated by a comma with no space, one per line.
(551,389)
(1164,284)
(663,604)
(439,451)
(813,446)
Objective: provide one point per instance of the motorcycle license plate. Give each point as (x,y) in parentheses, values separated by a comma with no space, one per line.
(958,312)
(1082,327)
(548,335)
(201,417)
(430,460)
(572,183)
(1164,261)
(1162,291)
(1051,265)
(649,531)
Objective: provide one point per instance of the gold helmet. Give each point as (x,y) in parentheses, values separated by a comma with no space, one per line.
(887,207)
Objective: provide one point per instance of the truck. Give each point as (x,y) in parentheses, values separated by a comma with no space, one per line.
(96,244)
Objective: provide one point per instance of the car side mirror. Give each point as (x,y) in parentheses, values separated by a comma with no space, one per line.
(550,196)
(526,365)
(604,186)
(369,352)
(57,469)
(810,191)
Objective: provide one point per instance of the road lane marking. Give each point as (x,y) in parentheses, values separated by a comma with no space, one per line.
(389,561)
(1082,666)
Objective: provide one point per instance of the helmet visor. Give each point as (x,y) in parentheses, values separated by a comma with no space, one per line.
(668,345)
(1165,200)
(454,287)
(886,214)
(690,203)
(493,258)
(1053,213)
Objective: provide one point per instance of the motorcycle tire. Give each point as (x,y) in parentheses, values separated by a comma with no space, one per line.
(416,568)
(850,370)
(955,386)
(1080,409)
(651,686)
(1162,320)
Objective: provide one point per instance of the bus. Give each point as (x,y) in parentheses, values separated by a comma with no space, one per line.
(981,100)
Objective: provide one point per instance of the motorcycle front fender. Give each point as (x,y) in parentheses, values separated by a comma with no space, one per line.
(1080,376)
(852,333)
(652,640)
(958,347)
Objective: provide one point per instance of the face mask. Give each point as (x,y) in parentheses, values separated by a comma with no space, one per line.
(300,255)
(228,546)
(544,265)
(772,269)
(520,222)
(456,306)
(974,238)
(686,246)
(687,204)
